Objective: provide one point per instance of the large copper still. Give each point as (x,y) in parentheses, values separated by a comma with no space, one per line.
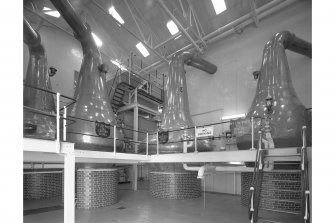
(276,109)
(37,125)
(176,114)
(91,94)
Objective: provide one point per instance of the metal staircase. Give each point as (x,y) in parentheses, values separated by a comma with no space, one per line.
(123,83)
(264,197)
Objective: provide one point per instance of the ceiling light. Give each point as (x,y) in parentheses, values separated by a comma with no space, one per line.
(118,64)
(53,13)
(219,6)
(97,40)
(46,9)
(115,14)
(177,37)
(142,49)
(232,117)
(172,27)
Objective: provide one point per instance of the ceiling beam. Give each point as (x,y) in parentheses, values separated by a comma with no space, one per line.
(129,31)
(179,25)
(228,29)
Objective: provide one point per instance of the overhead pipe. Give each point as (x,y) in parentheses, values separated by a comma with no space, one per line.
(228,29)
(179,25)
(129,31)
(208,168)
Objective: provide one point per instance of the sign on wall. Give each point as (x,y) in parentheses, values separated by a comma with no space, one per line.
(205,132)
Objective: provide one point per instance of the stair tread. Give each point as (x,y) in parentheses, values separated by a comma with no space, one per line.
(283,200)
(280,211)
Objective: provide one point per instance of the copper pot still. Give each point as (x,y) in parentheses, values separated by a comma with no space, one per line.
(276,109)
(175,113)
(37,125)
(91,92)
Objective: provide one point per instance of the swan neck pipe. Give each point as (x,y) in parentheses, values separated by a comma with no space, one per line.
(69,14)
(294,43)
(192,59)
(30,36)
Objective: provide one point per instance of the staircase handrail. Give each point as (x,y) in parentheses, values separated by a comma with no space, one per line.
(305,205)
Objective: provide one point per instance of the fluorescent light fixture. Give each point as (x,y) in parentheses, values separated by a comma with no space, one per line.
(53,13)
(142,49)
(232,117)
(172,27)
(118,64)
(219,6)
(46,9)
(112,11)
(97,39)
(177,37)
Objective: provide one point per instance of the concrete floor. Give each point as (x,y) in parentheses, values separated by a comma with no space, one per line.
(140,207)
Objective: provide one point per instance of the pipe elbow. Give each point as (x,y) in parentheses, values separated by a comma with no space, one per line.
(201,172)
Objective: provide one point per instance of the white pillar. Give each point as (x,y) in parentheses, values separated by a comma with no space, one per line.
(135,176)
(69,187)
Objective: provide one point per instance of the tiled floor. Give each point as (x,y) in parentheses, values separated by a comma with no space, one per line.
(140,207)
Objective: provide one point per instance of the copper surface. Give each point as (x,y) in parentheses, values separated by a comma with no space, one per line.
(91,94)
(37,76)
(281,124)
(176,114)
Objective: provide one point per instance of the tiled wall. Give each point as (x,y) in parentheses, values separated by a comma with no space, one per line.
(174,185)
(97,188)
(42,185)
(280,190)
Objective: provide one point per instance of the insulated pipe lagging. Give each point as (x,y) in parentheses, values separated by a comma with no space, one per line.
(192,59)
(293,43)
(30,36)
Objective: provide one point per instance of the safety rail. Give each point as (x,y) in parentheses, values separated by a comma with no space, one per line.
(305,192)
(56,114)
(255,187)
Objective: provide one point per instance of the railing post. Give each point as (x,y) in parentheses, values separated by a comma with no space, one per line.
(195,140)
(147,147)
(157,144)
(260,150)
(307,192)
(64,123)
(303,148)
(114,140)
(252,133)
(57,122)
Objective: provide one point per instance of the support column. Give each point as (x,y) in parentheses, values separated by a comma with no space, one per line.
(135,176)
(69,187)
(135,135)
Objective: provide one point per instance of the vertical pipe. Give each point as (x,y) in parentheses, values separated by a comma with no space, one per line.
(195,140)
(304,136)
(157,144)
(234,182)
(135,177)
(147,146)
(252,133)
(69,187)
(64,123)
(114,140)
(136,124)
(57,121)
